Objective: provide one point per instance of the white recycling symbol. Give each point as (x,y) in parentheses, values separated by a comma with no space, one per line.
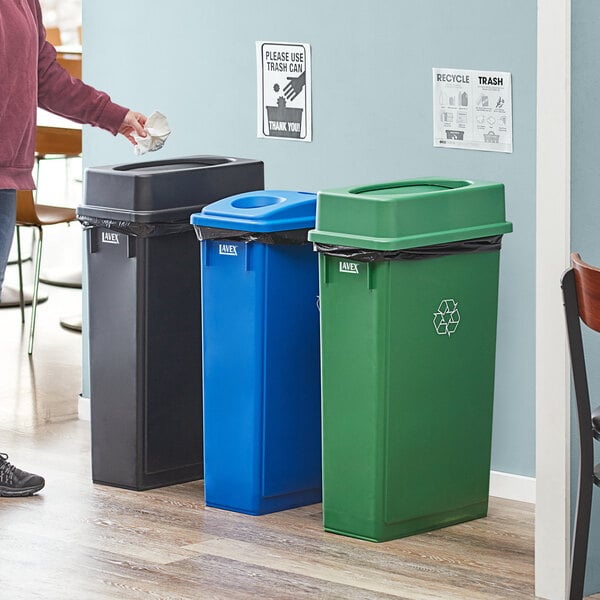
(446,318)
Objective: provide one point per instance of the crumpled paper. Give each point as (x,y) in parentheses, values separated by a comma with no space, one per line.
(157,128)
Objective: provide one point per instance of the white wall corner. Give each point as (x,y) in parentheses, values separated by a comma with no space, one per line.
(553,201)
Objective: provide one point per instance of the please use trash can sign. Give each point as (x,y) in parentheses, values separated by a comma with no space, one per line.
(284,91)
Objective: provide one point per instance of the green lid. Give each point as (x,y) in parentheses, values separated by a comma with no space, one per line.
(410,214)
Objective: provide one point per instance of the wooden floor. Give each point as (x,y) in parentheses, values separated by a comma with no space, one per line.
(81,541)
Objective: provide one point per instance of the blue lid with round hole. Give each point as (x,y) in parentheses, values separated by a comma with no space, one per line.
(260,211)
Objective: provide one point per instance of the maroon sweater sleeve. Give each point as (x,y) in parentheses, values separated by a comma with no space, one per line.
(69,97)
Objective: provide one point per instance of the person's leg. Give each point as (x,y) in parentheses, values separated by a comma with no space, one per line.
(13,481)
(8,215)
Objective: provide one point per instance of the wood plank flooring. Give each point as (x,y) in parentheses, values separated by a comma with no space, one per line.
(81,541)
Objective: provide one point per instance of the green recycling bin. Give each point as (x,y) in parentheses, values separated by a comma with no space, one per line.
(408,295)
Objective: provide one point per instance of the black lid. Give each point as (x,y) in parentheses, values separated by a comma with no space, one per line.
(166,190)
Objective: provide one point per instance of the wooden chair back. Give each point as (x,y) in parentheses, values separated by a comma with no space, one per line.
(71,63)
(587,281)
(53,36)
(57,140)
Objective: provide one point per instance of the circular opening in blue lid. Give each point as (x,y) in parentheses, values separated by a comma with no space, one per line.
(255,201)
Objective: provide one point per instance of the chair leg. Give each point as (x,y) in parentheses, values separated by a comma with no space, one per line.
(36,285)
(23,259)
(37,171)
(20,263)
(580,535)
(581,530)
(67,176)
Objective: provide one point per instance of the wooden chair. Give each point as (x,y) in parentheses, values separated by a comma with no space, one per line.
(57,140)
(30,214)
(54,143)
(581,293)
(70,62)
(53,36)
(61,143)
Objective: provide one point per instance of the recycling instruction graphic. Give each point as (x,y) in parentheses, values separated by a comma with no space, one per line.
(284,91)
(472,110)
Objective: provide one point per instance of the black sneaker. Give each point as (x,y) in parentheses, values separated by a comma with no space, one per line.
(14,482)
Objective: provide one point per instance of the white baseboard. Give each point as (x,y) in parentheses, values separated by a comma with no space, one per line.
(512,487)
(83,408)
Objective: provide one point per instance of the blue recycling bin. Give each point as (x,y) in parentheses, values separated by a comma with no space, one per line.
(260,335)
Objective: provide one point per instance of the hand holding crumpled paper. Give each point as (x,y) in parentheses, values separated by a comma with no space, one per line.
(157,128)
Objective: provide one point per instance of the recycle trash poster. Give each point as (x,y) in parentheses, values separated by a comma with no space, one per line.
(284,91)
(472,110)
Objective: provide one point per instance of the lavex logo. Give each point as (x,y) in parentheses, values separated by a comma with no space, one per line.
(228,249)
(349,267)
(108,237)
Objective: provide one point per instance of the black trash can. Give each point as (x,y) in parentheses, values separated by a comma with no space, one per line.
(144,313)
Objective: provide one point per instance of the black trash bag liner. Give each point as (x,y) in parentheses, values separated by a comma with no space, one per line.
(486,244)
(289,237)
(142,230)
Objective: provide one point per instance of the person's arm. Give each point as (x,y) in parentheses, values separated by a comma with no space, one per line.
(69,97)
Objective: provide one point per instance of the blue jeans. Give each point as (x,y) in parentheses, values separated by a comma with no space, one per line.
(8,216)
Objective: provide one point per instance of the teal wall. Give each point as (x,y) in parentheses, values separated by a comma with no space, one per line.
(585,213)
(194,61)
